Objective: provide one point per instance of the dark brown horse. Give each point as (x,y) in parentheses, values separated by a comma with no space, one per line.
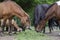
(9,9)
(53,11)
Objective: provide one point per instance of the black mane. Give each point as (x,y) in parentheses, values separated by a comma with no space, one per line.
(49,7)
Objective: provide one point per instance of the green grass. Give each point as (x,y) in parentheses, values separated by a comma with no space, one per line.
(31,35)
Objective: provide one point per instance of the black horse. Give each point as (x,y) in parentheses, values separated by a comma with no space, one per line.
(39,13)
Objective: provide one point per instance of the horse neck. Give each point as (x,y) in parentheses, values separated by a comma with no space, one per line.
(50,12)
(21,16)
(20,11)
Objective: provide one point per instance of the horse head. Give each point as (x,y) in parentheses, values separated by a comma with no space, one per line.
(25,21)
(40,26)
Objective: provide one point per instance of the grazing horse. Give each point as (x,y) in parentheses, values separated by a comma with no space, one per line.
(9,9)
(39,13)
(53,11)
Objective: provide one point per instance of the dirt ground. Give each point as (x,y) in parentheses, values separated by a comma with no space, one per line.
(53,36)
(7,38)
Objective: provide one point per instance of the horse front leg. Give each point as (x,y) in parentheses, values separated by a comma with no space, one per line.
(16,26)
(10,27)
(44,30)
(8,23)
(50,25)
(59,24)
(2,26)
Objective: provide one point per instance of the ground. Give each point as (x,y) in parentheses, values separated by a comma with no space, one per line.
(32,35)
(7,38)
(54,35)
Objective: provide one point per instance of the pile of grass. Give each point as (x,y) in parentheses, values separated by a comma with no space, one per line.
(31,35)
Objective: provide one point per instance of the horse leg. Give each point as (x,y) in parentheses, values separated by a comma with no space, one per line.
(44,30)
(0,32)
(6,28)
(2,26)
(59,24)
(50,25)
(16,26)
(9,30)
(15,30)
(3,22)
(8,23)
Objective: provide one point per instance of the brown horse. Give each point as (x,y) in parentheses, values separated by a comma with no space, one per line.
(9,9)
(53,11)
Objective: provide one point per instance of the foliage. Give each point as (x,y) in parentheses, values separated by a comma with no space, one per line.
(25,4)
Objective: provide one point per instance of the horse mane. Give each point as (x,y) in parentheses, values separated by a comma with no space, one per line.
(12,2)
(49,7)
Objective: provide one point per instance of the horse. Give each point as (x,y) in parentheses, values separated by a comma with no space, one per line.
(39,13)
(9,9)
(53,11)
